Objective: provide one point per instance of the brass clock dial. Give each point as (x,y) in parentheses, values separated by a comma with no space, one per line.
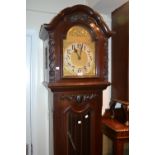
(78,53)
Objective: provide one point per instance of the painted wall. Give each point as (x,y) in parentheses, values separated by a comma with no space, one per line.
(39,12)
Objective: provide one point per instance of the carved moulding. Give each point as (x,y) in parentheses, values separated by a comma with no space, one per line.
(105,71)
(78,17)
(79,98)
(51,57)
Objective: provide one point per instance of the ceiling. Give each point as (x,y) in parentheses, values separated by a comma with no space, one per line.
(105,6)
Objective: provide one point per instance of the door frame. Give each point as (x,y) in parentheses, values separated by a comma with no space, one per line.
(31,85)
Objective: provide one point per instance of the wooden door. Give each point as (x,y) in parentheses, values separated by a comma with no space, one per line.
(120,53)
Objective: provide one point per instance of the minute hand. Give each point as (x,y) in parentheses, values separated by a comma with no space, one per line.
(81,50)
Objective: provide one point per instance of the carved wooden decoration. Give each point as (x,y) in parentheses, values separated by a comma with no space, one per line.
(79,98)
(77,95)
(52,57)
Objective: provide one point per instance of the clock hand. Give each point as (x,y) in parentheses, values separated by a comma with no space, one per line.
(81,50)
(76,51)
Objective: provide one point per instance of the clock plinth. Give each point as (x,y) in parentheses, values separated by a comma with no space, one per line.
(76,71)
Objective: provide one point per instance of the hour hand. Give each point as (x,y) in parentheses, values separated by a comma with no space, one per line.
(78,55)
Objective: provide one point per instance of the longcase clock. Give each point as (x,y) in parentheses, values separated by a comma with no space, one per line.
(76,72)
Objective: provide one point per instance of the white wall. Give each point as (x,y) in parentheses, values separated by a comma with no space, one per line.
(40,12)
(51,6)
(107,92)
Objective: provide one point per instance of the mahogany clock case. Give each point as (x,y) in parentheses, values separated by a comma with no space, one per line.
(77,100)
